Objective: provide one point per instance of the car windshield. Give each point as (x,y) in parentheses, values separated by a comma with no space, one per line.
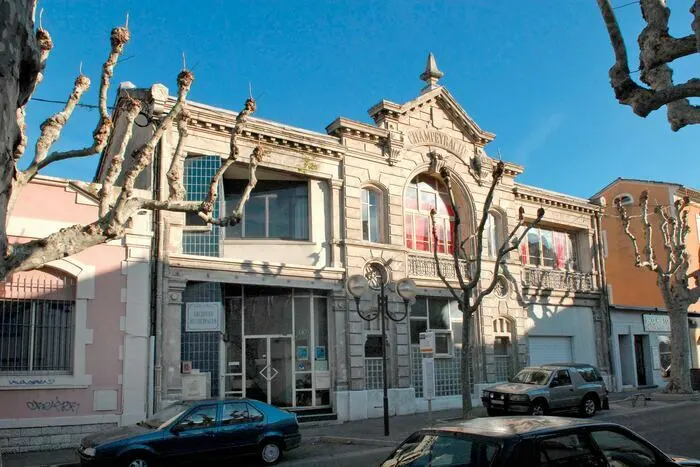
(166,415)
(537,376)
(438,449)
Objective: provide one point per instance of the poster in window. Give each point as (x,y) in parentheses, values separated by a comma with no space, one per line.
(320,352)
(302,352)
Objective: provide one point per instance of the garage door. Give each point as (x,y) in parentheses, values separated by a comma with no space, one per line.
(549,350)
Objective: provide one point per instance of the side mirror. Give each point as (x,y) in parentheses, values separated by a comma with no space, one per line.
(177,429)
(554,383)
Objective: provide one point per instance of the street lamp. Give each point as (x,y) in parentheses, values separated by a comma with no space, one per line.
(377,278)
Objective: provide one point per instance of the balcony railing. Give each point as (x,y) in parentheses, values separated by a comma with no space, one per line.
(569,281)
(424,267)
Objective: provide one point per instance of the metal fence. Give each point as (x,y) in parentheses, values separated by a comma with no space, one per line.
(37,316)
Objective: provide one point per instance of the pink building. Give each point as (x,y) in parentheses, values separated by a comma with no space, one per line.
(74,336)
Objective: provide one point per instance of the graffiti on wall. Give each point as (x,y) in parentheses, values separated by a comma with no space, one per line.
(53,405)
(32,381)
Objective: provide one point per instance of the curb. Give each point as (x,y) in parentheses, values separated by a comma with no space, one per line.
(348,440)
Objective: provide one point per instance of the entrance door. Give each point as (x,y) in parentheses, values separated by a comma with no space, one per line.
(641,364)
(268,370)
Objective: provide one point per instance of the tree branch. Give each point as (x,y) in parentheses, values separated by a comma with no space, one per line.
(695,11)
(234,218)
(511,243)
(438,268)
(495,178)
(131,107)
(143,156)
(119,37)
(657,48)
(626,225)
(177,167)
(43,40)
(208,202)
(668,246)
(447,178)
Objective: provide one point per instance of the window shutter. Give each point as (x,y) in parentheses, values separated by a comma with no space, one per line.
(560,249)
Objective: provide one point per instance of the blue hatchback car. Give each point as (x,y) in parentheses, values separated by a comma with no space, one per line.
(194,431)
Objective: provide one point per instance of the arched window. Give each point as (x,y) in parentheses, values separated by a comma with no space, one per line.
(372,215)
(492,234)
(423,194)
(624,199)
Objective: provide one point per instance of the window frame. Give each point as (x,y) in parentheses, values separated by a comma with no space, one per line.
(32,340)
(571,253)
(622,197)
(225,207)
(628,435)
(447,219)
(438,331)
(380,220)
(83,276)
(491,229)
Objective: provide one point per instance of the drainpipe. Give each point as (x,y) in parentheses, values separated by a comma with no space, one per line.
(155,333)
(604,294)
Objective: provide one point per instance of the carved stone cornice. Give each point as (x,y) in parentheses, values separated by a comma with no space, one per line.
(546,198)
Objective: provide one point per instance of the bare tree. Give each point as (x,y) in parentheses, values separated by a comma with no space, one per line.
(673,279)
(470,295)
(658,49)
(21,69)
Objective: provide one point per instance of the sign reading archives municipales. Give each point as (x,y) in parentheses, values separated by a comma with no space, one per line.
(657,323)
(203,316)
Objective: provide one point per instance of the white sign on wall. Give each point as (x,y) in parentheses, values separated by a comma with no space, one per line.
(656,323)
(428,378)
(203,316)
(427,342)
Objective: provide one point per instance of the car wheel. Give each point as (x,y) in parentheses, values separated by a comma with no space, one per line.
(588,407)
(538,407)
(270,452)
(137,460)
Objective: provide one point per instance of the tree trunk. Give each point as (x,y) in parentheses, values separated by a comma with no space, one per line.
(679,380)
(19,67)
(466,361)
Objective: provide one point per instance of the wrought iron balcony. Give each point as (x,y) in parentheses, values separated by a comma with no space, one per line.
(424,267)
(551,279)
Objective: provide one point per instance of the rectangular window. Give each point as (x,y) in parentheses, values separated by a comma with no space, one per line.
(36,336)
(371,216)
(549,248)
(276,209)
(433,314)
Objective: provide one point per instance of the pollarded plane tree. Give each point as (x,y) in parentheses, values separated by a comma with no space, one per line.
(22,64)
(470,294)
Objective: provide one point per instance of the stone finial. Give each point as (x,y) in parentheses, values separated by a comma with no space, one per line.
(432,74)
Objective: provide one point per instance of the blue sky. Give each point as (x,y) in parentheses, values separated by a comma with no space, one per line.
(534,73)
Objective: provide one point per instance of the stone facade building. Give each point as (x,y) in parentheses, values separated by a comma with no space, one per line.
(260,309)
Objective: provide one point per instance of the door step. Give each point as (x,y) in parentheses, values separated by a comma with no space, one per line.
(317,417)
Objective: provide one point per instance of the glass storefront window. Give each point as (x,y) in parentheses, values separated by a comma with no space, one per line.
(320,335)
(268,310)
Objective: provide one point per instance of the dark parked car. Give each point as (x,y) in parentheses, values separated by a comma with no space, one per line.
(547,388)
(530,442)
(191,432)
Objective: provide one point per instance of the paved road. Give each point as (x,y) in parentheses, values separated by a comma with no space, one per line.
(674,429)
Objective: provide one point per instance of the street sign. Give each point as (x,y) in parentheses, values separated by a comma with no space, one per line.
(428,378)
(427,342)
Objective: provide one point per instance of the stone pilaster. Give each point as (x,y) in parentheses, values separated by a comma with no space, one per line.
(171,338)
(336,217)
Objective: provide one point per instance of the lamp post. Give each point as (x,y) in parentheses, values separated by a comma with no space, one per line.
(377,278)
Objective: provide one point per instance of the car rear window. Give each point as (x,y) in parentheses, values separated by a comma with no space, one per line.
(570,450)
(589,374)
(444,450)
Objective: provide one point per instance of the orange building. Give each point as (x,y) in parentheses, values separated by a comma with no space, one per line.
(640,329)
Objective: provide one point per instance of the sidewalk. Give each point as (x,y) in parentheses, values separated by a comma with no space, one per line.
(369,434)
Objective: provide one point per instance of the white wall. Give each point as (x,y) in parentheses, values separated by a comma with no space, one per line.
(572,321)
